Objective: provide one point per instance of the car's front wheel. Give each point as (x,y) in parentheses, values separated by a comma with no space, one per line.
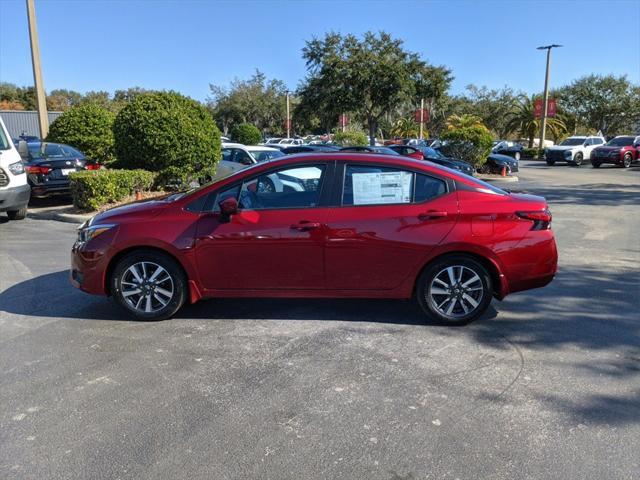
(148,284)
(454,290)
(551,163)
(627,160)
(577,160)
(595,163)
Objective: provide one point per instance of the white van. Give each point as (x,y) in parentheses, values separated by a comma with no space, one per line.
(14,189)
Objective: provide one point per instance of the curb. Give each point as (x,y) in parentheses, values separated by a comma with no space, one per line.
(59,216)
(498,179)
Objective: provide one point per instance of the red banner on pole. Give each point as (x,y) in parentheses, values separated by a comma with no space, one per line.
(537,108)
(422,115)
(344,120)
(287,124)
(551,107)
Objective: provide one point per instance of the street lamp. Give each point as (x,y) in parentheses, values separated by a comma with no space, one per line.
(288,118)
(546,93)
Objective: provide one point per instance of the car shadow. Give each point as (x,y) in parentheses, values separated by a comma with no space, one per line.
(26,298)
(589,194)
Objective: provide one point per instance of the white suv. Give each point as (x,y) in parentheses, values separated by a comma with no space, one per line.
(573,150)
(14,189)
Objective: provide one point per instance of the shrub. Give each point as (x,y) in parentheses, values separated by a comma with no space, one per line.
(92,189)
(178,178)
(351,138)
(246,134)
(89,128)
(158,130)
(530,153)
(471,144)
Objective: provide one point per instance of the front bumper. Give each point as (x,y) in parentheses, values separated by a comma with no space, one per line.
(89,268)
(14,198)
(606,158)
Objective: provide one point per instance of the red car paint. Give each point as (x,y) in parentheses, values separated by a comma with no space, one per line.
(374,251)
(622,150)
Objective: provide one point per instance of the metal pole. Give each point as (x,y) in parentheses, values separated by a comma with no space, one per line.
(421,116)
(288,119)
(545,100)
(41,99)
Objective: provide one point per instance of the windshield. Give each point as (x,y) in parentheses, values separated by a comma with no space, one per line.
(385,150)
(431,153)
(573,141)
(4,142)
(264,155)
(620,141)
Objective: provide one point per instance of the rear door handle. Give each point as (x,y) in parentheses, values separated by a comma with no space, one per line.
(304,225)
(431,214)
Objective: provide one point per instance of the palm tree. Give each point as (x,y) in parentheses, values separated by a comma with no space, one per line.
(523,120)
(455,122)
(405,128)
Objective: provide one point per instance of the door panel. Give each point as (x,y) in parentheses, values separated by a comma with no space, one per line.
(263,249)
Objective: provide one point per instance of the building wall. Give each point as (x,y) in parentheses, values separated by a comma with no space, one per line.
(18,121)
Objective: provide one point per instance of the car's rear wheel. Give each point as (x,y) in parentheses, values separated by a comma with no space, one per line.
(595,163)
(20,214)
(148,284)
(551,163)
(627,160)
(454,290)
(577,160)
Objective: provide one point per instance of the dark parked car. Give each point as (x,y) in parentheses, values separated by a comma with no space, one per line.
(404,229)
(622,150)
(408,151)
(309,149)
(505,147)
(436,156)
(370,149)
(496,163)
(48,167)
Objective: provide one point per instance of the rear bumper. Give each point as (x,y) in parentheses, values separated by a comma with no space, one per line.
(533,264)
(47,189)
(14,198)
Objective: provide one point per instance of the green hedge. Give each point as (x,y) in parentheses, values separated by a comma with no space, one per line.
(471,144)
(177,178)
(351,138)
(92,189)
(246,134)
(530,153)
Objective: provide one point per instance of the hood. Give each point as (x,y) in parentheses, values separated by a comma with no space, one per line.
(560,148)
(502,159)
(131,211)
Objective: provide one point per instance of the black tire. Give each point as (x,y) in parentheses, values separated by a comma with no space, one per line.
(118,285)
(434,304)
(17,214)
(595,164)
(577,160)
(551,163)
(627,160)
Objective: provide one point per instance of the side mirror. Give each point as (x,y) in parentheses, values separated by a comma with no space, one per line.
(23,150)
(228,207)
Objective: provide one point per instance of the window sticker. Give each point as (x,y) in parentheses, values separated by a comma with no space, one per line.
(381,187)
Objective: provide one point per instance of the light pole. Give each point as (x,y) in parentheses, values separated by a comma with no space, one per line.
(545,95)
(43,119)
(288,118)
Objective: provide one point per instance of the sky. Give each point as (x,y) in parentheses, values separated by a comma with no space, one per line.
(185,45)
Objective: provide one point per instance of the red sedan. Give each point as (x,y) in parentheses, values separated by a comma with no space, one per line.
(341,225)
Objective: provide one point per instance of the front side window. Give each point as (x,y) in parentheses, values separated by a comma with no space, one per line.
(294,187)
(372,185)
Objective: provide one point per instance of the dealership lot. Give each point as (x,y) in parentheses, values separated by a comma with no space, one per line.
(544,386)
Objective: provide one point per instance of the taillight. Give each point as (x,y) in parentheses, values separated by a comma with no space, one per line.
(93,166)
(541,219)
(37,170)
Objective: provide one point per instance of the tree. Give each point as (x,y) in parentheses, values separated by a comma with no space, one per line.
(523,121)
(62,99)
(606,103)
(258,101)
(493,107)
(350,138)
(456,122)
(405,128)
(246,134)
(166,130)
(88,127)
(370,77)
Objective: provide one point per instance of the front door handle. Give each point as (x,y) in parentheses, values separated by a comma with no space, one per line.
(304,225)
(431,214)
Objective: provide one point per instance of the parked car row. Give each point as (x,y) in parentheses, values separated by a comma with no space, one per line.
(622,150)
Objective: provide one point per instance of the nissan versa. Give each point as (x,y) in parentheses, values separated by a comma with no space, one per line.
(343,225)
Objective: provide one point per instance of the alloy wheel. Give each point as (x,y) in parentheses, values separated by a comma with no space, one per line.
(147,287)
(627,160)
(456,291)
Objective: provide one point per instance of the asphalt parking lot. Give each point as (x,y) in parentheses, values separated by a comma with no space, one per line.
(546,385)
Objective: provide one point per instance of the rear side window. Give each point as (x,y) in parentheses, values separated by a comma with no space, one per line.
(372,185)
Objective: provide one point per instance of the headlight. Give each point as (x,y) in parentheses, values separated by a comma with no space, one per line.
(16,168)
(88,233)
